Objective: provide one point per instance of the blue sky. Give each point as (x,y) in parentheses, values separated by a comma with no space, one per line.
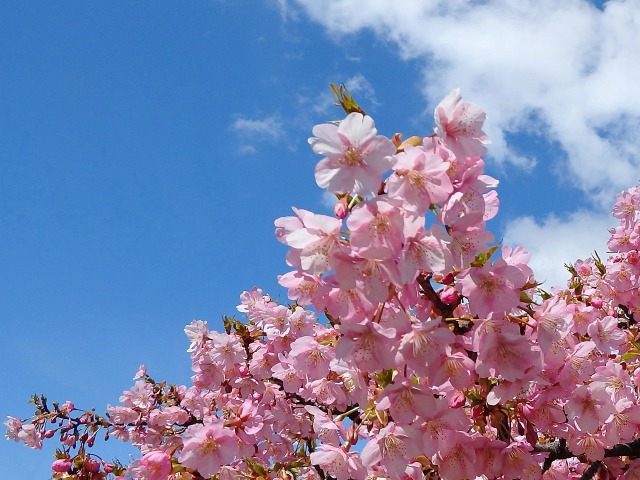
(145,151)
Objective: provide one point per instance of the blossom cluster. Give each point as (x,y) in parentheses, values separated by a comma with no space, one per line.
(441,356)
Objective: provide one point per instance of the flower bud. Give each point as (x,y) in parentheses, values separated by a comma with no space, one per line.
(449,295)
(596,302)
(69,440)
(340,209)
(62,465)
(457,400)
(91,466)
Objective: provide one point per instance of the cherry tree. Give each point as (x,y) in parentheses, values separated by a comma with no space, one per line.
(414,347)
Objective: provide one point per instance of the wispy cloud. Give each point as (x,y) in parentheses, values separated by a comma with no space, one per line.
(267,127)
(252,131)
(359,85)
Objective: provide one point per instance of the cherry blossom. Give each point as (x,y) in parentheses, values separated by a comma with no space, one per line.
(414,347)
(355,155)
(459,125)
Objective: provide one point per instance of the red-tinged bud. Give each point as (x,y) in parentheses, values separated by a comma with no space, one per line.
(352,435)
(91,466)
(449,295)
(61,465)
(449,278)
(108,468)
(49,433)
(91,440)
(341,208)
(477,411)
(457,400)
(531,435)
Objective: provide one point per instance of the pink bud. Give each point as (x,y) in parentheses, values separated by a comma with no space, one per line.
(340,209)
(69,440)
(61,465)
(596,302)
(108,468)
(449,295)
(67,407)
(49,433)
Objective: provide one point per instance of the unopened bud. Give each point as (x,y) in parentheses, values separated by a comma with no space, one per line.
(61,465)
(449,295)
(596,302)
(92,466)
(340,209)
(457,400)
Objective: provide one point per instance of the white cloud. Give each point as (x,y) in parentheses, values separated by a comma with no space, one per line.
(569,64)
(250,131)
(359,85)
(268,127)
(247,150)
(555,241)
(283,8)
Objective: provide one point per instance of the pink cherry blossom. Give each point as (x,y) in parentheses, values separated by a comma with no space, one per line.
(338,463)
(377,228)
(155,465)
(207,447)
(588,407)
(391,448)
(420,179)
(310,358)
(355,156)
(459,125)
(492,288)
(368,344)
(313,238)
(606,334)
